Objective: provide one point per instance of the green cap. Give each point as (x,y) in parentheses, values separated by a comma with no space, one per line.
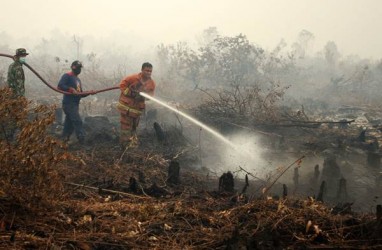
(21,52)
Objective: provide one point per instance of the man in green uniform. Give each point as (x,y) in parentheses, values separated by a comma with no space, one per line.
(16,77)
(16,81)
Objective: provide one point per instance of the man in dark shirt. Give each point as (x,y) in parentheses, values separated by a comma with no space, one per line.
(70,103)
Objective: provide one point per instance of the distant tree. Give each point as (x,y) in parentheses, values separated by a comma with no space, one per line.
(379,66)
(279,64)
(239,78)
(179,65)
(230,60)
(78,44)
(94,73)
(304,40)
(208,35)
(331,53)
(221,62)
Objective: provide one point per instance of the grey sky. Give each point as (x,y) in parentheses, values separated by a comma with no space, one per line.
(355,25)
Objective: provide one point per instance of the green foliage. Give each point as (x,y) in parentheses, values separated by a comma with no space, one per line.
(230,60)
(221,62)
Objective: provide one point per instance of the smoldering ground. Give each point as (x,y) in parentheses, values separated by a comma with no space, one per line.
(216,78)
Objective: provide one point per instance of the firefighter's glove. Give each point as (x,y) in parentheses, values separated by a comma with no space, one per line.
(130,93)
(139,98)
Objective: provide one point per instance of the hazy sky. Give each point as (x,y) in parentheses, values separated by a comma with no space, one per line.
(355,25)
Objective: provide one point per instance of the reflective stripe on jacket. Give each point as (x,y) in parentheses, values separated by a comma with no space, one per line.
(134,82)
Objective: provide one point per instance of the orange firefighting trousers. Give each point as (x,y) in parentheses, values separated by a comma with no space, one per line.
(129,122)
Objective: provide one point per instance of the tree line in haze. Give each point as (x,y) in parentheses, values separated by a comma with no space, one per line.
(213,63)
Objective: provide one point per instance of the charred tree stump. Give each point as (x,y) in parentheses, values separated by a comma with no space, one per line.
(316,176)
(342,194)
(378,181)
(226,182)
(379,213)
(246,184)
(362,136)
(320,196)
(173,173)
(331,173)
(316,172)
(141,177)
(373,159)
(133,185)
(295,177)
(159,132)
(378,225)
(373,156)
(285,191)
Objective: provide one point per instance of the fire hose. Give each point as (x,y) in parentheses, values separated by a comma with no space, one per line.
(59,90)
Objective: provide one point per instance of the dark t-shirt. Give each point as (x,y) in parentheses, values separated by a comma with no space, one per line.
(69,80)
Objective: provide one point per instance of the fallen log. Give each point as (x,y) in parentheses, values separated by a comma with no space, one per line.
(305,124)
(108,190)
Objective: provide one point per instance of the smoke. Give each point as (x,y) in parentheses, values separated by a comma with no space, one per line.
(248,154)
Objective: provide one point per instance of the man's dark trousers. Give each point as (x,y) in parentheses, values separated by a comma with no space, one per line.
(73,122)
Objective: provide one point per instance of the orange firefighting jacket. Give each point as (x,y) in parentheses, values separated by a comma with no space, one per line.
(129,101)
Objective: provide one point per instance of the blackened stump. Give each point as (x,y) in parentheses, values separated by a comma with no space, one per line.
(159,132)
(320,196)
(173,173)
(226,182)
(285,191)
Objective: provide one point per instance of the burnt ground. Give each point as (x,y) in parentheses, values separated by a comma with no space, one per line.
(121,198)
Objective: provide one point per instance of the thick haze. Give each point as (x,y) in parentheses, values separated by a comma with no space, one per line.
(355,25)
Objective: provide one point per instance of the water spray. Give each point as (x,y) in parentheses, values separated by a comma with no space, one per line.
(215,133)
(244,153)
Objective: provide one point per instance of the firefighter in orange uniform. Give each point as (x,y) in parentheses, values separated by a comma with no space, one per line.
(131,103)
